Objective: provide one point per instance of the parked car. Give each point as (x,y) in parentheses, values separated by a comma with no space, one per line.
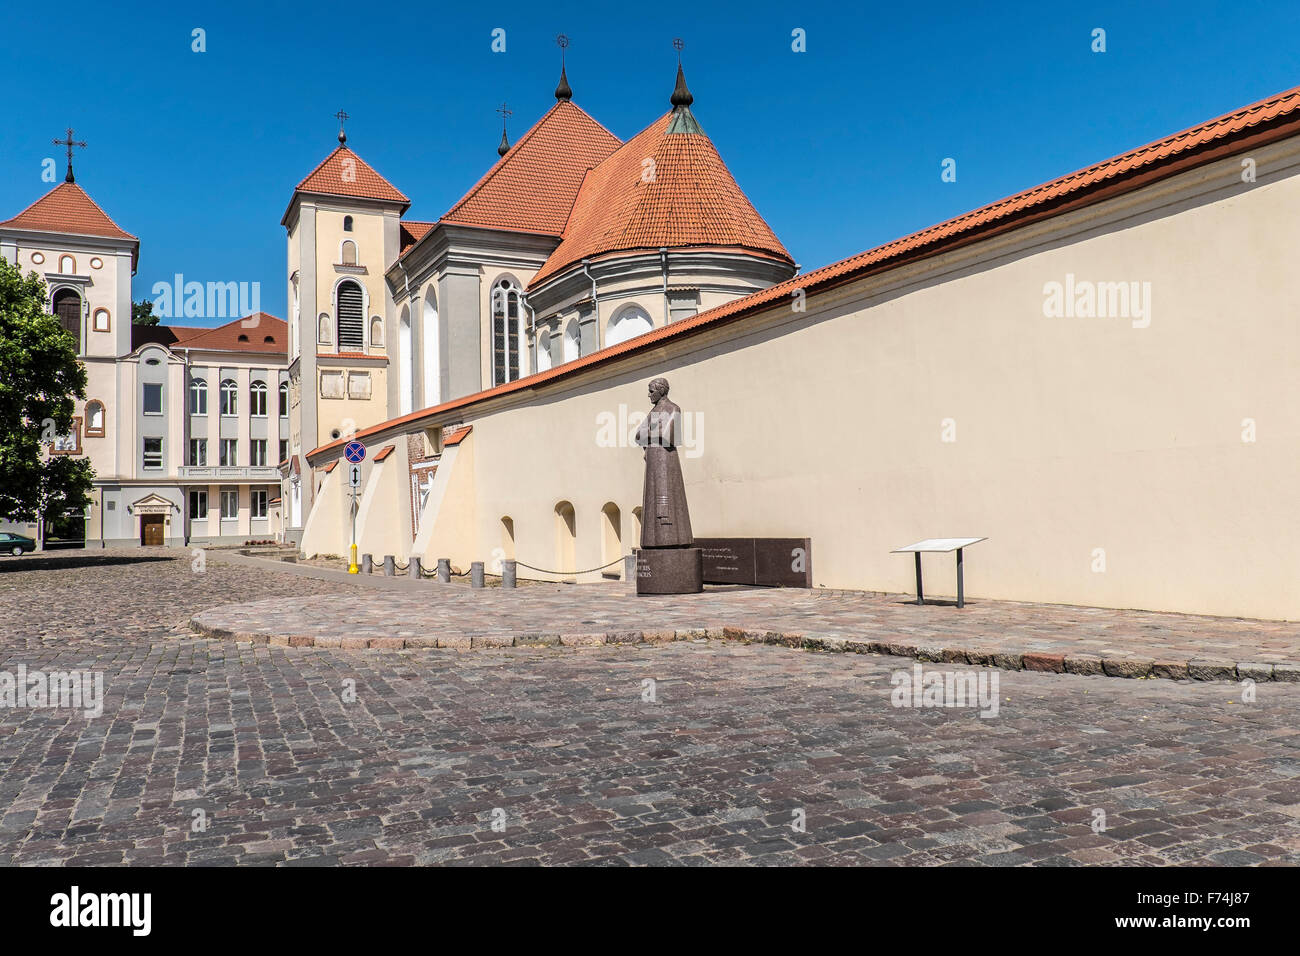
(11,543)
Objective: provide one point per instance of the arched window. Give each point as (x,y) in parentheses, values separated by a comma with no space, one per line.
(198,397)
(543,349)
(405,362)
(566,538)
(349,253)
(376,332)
(506,312)
(611,538)
(229,397)
(95,418)
(352,317)
(67,266)
(324,335)
(284,399)
(257,399)
(347,223)
(67,306)
(572,341)
(101,321)
(627,323)
(429,346)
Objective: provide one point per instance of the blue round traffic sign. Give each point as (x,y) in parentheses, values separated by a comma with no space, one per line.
(354,452)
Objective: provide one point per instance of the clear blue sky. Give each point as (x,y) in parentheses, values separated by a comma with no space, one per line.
(839,147)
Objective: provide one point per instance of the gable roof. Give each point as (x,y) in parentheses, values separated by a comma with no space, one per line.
(667,186)
(344,173)
(68,210)
(532,187)
(234,336)
(411,233)
(1266,121)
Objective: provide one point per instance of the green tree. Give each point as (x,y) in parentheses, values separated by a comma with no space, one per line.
(142,313)
(40,376)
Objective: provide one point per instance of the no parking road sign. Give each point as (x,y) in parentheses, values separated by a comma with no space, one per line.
(354,452)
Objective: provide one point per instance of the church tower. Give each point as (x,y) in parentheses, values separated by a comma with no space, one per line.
(343,228)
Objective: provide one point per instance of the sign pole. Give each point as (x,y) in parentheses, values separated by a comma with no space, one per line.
(355,453)
(352,564)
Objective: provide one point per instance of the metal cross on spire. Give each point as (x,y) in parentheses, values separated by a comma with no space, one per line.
(341,117)
(504,147)
(69,142)
(678,45)
(563,91)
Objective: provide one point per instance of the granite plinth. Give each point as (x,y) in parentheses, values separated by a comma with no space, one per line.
(669,571)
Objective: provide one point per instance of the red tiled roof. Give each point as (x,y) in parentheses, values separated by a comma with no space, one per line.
(384,453)
(456,437)
(161,334)
(344,173)
(1250,127)
(413,232)
(532,187)
(686,198)
(67,209)
(236,336)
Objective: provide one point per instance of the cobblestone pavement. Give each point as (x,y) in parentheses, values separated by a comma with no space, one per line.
(563,749)
(1002,633)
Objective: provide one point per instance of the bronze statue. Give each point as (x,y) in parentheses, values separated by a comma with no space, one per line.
(665,521)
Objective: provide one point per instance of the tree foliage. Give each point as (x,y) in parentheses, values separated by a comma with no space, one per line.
(40,378)
(142,313)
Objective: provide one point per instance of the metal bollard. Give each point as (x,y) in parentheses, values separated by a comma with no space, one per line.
(414,569)
(509,570)
(629,567)
(389,566)
(476,574)
(367,563)
(444,570)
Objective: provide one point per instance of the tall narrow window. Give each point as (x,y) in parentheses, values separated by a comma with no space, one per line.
(153,453)
(67,306)
(257,399)
(198,504)
(257,451)
(229,397)
(95,419)
(229,449)
(198,451)
(198,397)
(349,252)
(284,399)
(229,503)
(347,223)
(153,398)
(505,331)
(351,313)
(257,503)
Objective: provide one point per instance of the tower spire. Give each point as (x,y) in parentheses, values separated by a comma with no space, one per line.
(343,137)
(69,142)
(563,92)
(504,147)
(681,95)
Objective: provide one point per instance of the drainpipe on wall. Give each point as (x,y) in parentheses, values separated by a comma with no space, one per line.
(663,258)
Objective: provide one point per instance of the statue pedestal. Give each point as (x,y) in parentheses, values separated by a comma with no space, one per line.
(669,570)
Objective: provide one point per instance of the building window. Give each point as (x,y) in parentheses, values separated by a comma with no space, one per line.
(67,306)
(152,398)
(323,335)
(69,443)
(229,503)
(376,332)
(629,322)
(198,397)
(229,450)
(347,223)
(102,322)
(67,266)
(153,455)
(352,317)
(198,451)
(257,400)
(572,341)
(349,253)
(284,449)
(505,331)
(284,399)
(95,416)
(257,503)
(198,504)
(229,397)
(257,452)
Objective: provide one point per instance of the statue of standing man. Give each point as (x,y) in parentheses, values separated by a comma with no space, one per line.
(665,521)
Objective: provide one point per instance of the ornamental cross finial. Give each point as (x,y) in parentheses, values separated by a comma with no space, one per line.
(69,142)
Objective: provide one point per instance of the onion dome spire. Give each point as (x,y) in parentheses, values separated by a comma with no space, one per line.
(342,117)
(504,146)
(563,92)
(683,120)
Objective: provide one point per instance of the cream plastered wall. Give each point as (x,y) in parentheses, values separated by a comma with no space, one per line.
(1103,457)
(368,234)
(350,414)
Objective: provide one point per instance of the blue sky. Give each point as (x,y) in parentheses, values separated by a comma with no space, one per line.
(839,147)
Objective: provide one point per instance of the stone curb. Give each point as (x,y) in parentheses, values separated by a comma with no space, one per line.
(1081,664)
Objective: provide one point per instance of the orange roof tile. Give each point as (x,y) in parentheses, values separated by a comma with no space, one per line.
(344,173)
(413,232)
(456,437)
(330,467)
(384,453)
(67,209)
(532,187)
(236,336)
(686,198)
(1250,127)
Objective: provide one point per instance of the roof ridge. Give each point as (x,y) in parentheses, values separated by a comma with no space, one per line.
(344,148)
(79,192)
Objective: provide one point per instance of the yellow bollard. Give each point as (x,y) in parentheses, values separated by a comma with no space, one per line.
(352,565)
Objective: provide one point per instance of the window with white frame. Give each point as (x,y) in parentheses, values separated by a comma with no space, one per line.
(198,503)
(506,311)
(284,399)
(198,451)
(229,397)
(257,503)
(352,317)
(153,401)
(229,503)
(257,400)
(229,451)
(153,453)
(198,397)
(257,451)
